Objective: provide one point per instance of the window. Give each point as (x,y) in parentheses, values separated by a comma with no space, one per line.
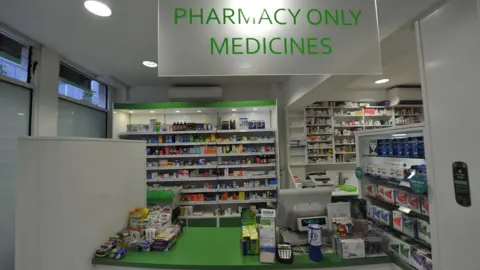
(14,58)
(75,85)
(75,120)
(15,110)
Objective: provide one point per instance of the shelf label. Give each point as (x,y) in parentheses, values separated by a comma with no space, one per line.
(359,173)
(255,37)
(418,183)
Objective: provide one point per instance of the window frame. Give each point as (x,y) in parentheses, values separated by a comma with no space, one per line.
(27,43)
(91,77)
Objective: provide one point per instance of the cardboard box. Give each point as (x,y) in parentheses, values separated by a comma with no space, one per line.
(350,248)
(388,195)
(423,230)
(397,220)
(401,198)
(267,236)
(413,202)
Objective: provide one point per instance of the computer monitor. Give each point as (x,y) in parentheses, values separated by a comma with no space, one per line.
(299,203)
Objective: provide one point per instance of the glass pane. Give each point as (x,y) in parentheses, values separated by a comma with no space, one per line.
(75,85)
(13,59)
(15,121)
(75,120)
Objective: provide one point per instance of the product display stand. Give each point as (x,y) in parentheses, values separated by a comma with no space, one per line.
(392,171)
(222,164)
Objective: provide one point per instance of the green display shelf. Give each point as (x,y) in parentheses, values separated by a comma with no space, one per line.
(219,248)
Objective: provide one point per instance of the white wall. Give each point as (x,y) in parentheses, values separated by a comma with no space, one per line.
(72,194)
(449,44)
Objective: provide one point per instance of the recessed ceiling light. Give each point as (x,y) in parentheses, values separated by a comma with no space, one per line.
(152,111)
(199,111)
(234,110)
(20,113)
(399,135)
(382,81)
(114,111)
(98,8)
(255,109)
(150,64)
(130,111)
(177,111)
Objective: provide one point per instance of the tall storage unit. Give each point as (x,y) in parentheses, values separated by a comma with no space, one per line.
(223,155)
(394,184)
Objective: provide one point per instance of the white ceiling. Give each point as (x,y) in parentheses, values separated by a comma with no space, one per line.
(114,46)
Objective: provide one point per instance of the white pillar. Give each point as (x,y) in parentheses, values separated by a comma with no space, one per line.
(449,49)
(45,101)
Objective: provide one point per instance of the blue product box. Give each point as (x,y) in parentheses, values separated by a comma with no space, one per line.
(389,145)
(414,147)
(406,148)
(399,148)
(382,148)
(421,147)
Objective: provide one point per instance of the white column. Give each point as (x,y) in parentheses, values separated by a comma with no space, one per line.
(45,98)
(449,50)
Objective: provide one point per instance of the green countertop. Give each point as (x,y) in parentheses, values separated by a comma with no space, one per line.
(209,248)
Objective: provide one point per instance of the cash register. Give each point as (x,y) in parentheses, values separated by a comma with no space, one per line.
(297,208)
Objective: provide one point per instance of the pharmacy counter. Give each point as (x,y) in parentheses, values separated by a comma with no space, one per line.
(219,248)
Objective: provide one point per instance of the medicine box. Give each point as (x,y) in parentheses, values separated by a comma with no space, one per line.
(419,257)
(423,230)
(377,214)
(388,195)
(267,236)
(386,217)
(394,245)
(369,210)
(405,251)
(424,206)
(401,198)
(397,220)
(409,225)
(413,202)
(350,248)
(383,171)
(371,190)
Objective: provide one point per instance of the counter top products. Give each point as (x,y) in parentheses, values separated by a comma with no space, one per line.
(203,248)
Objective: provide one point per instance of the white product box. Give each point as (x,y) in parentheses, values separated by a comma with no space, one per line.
(371,190)
(405,251)
(388,195)
(266,231)
(394,245)
(369,210)
(401,198)
(384,171)
(350,248)
(397,220)
(413,202)
(423,229)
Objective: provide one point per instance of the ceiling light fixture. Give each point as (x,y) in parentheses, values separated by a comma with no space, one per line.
(199,111)
(255,109)
(382,81)
(400,135)
(114,112)
(177,111)
(130,111)
(98,8)
(234,110)
(150,64)
(152,111)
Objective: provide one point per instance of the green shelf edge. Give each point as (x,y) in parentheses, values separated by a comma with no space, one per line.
(206,104)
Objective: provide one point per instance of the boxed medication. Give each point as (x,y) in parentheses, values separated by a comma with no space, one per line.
(423,230)
(409,225)
(353,248)
(413,202)
(371,190)
(267,236)
(397,219)
(401,198)
(387,195)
